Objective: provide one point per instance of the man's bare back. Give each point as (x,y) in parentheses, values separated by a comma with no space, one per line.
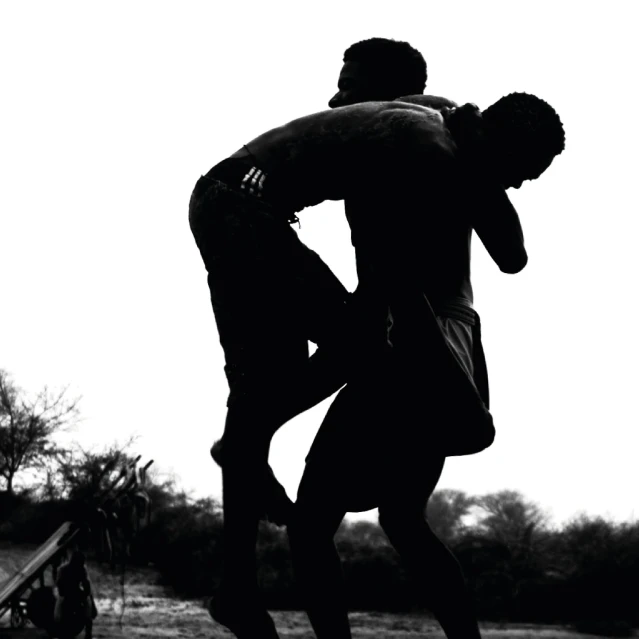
(393,152)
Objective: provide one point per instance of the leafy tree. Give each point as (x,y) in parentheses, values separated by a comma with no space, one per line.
(510,518)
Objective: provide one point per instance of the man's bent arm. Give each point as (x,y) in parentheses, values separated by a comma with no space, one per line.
(497,224)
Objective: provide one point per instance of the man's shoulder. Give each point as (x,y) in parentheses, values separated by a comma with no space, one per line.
(414,119)
(432,101)
(412,109)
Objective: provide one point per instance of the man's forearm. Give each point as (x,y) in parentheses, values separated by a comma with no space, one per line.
(497,224)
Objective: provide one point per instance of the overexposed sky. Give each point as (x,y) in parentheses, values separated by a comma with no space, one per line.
(109,114)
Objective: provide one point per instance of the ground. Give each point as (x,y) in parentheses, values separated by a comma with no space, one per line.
(151,610)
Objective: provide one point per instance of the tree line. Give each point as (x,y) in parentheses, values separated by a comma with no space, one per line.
(519,567)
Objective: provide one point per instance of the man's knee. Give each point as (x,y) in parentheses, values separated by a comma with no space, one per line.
(216,451)
(246,431)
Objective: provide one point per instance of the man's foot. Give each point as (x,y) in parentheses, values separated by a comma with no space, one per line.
(245,619)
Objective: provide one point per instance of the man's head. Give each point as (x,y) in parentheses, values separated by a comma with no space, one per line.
(379,69)
(524,134)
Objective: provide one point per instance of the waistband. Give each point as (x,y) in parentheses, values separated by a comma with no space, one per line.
(239,173)
(457,308)
(242,174)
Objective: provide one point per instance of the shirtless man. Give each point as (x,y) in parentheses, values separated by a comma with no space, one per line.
(382,69)
(385,438)
(374,69)
(239,213)
(271,345)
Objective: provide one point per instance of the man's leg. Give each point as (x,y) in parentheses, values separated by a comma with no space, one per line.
(323,314)
(256,279)
(342,473)
(316,563)
(237,604)
(433,566)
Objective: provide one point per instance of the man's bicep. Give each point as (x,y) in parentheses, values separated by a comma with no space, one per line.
(497,224)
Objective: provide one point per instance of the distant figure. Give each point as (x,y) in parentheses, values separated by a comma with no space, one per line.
(75,607)
(379,152)
(384,440)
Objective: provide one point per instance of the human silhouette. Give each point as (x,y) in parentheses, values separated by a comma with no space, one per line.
(399,70)
(385,438)
(373,69)
(239,216)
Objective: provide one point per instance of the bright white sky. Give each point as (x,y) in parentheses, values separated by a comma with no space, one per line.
(111,112)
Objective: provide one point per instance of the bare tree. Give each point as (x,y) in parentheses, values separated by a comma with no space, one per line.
(81,473)
(28,426)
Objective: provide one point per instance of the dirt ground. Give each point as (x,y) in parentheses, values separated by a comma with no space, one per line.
(151,610)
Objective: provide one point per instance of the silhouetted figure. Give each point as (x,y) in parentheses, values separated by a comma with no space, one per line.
(75,607)
(239,213)
(385,437)
(374,69)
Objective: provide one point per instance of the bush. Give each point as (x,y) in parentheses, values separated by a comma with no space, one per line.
(587,572)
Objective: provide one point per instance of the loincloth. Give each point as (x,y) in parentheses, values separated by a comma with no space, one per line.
(415,412)
(461,326)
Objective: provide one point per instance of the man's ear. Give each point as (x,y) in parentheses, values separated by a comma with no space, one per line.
(431,101)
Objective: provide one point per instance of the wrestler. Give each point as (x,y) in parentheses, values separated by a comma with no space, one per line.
(385,437)
(374,69)
(239,213)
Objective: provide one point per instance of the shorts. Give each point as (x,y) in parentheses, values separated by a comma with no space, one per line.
(461,326)
(270,293)
(425,400)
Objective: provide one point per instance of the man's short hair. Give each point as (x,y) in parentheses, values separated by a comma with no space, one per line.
(522,120)
(396,63)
